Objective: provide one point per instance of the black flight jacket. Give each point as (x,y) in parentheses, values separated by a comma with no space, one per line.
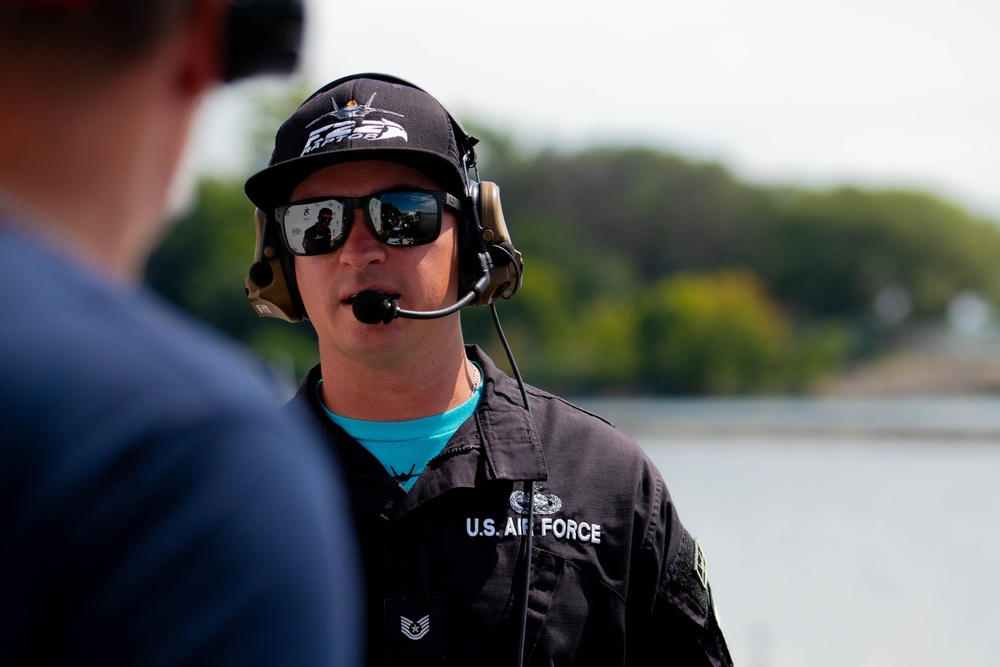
(615,579)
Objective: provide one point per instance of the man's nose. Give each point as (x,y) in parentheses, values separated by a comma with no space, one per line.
(361,246)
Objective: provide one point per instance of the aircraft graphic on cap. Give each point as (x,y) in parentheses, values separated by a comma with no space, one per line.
(353,110)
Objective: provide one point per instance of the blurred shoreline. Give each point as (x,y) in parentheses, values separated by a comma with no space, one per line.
(905,420)
(927,363)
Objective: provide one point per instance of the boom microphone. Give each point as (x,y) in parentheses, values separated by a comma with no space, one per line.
(372,307)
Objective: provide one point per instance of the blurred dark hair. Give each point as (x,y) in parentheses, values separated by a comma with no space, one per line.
(106,33)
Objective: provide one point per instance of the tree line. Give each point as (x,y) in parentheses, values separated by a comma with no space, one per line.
(648,272)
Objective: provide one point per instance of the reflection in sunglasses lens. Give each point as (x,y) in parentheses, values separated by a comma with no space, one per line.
(398,218)
(407,218)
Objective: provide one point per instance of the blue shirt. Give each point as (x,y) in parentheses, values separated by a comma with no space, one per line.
(404,448)
(156,507)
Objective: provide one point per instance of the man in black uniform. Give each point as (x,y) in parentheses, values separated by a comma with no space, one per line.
(448,460)
(318,237)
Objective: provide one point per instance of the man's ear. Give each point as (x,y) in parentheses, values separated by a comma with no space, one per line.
(203,46)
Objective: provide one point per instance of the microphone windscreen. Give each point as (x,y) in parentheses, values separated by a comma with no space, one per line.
(372,307)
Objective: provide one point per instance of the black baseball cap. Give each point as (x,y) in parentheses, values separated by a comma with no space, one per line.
(363,117)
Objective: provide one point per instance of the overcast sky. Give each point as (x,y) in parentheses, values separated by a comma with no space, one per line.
(813,92)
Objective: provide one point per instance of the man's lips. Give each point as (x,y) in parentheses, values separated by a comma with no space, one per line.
(389,295)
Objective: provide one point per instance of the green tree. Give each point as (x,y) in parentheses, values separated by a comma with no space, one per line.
(714,333)
(829,254)
(643,270)
(664,213)
(201,266)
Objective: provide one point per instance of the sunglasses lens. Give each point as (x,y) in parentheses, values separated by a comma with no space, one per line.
(405,218)
(313,228)
(397,218)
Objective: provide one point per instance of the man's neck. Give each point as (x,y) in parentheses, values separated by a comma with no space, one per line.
(425,385)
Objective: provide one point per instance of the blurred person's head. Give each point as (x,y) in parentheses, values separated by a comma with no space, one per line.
(99,100)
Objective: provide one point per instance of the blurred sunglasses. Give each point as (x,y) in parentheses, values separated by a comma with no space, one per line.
(398,218)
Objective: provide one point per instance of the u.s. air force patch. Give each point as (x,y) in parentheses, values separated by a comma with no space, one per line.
(544,507)
(543,503)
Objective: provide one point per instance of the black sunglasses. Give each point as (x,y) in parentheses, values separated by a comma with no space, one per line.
(398,218)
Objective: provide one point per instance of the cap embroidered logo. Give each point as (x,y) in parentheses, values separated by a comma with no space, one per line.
(353,125)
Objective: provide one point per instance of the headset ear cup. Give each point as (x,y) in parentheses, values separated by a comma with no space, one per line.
(267,287)
(507,264)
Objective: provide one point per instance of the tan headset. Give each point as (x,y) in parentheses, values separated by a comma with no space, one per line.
(266,287)
(506,265)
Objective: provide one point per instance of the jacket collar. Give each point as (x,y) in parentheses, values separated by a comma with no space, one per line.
(501,427)
(511,445)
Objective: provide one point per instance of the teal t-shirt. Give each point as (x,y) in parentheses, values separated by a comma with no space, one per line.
(405,448)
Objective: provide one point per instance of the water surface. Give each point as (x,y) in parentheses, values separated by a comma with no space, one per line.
(838,533)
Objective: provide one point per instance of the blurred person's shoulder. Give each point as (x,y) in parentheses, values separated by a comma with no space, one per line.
(143,447)
(84,357)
